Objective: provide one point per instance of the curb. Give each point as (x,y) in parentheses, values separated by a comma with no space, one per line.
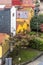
(24,63)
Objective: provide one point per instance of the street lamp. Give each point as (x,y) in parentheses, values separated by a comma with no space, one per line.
(11,42)
(11,47)
(37,29)
(36,9)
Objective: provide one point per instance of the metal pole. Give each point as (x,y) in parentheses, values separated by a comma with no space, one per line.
(37,28)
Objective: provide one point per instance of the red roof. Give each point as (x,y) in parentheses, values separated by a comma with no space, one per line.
(16,2)
(10,3)
(3,36)
(28,3)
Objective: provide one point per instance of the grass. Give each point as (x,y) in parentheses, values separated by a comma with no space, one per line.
(25,55)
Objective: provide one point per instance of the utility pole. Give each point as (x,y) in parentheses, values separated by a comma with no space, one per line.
(36,11)
(37,29)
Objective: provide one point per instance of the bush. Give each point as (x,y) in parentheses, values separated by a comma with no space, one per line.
(34,21)
(41,35)
(32,33)
(36,44)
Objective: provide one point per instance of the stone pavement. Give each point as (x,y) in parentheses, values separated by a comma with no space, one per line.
(38,61)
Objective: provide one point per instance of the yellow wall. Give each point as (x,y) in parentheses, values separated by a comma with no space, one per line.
(0,51)
(23,26)
(5,45)
(5,48)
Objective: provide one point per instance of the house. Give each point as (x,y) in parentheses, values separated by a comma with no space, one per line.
(7,3)
(4,46)
(15,16)
(23,15)
(41,7)
(5,21)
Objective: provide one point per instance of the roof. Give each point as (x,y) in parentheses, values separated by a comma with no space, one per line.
(16,2)
(28,3)
(10,3)
(3,36)
(7,3)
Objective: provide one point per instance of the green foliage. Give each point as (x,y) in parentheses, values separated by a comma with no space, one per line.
(41,35)
(32,33)
(37,3)
(36,44)
(35,20)
(25,55)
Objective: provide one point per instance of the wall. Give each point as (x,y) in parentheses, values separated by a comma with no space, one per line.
(22,22)
(0,51)
(41,7)
(5,45)
(13,20)
(5,2)
(5,21)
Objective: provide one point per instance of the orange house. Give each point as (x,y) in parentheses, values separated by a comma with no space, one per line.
(4,46)
(24,15)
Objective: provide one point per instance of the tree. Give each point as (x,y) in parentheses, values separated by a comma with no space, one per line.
(34,20)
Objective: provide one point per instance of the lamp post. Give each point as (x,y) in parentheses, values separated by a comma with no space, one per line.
(36,9)
(11,47)
(11,43)
(37,29)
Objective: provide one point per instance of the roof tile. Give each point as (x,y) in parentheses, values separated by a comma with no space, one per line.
(3,36)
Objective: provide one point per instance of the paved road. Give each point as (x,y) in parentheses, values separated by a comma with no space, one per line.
(39,61)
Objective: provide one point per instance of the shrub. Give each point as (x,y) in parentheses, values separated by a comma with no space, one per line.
(34,21)
(41,35)
(32,33)
(36,44)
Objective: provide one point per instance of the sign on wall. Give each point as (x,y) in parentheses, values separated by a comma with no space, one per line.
(22,14)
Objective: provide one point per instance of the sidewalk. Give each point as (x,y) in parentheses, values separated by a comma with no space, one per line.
(39,61)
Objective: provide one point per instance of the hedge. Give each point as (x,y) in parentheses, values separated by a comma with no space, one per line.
(36,44)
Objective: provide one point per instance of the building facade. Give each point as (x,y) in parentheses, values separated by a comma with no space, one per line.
(5,21)
(15,16)
(4,47)
(41,7)
(10,18)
